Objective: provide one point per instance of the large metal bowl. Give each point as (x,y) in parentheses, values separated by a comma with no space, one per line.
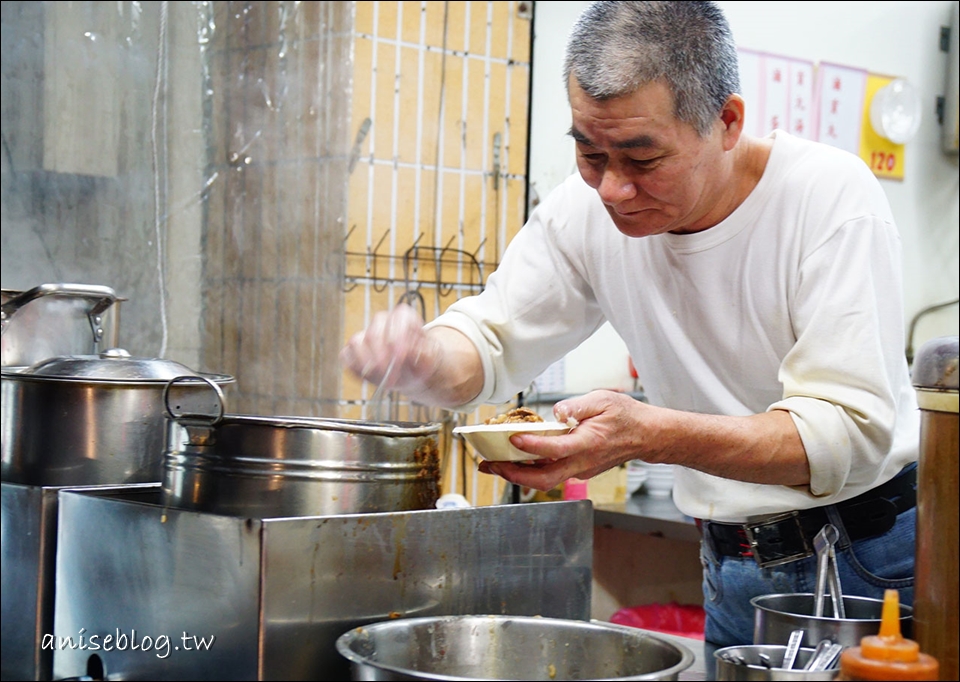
(481,647)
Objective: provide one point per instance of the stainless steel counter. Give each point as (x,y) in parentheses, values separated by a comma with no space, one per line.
(275,593)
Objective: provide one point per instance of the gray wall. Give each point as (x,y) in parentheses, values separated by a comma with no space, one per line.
(192,156)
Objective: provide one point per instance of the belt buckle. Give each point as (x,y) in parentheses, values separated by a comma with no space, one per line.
(757,529)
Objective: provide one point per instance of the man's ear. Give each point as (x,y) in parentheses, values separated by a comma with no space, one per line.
(731,116)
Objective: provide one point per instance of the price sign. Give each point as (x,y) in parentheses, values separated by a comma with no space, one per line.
(779,93)
(884,157)
(840,105)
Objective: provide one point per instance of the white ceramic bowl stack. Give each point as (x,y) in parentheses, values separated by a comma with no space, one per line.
(636,475)
(659,479)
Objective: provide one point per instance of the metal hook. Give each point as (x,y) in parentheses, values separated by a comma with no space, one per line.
(479,246)
(475,257)
(413,295)
(438,264)
(349,232)
(373,256)
(406,261)
(345,288)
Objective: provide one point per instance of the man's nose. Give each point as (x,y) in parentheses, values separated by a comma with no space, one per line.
(615,186)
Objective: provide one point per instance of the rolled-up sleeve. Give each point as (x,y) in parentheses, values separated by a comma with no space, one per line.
(842,378)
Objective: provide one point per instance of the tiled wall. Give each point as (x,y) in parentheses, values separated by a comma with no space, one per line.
(438,170)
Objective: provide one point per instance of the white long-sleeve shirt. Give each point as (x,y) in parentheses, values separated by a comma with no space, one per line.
(793,302)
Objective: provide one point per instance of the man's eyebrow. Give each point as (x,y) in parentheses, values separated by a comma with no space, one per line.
(639,142)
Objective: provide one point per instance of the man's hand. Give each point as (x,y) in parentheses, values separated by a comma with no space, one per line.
(613,428)
(436,367)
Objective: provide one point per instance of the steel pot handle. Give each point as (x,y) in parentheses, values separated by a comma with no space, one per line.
(195,417)
(102,297)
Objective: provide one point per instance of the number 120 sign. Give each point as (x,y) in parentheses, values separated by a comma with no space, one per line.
(886,163)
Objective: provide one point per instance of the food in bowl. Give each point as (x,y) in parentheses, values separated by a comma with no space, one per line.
(517,415)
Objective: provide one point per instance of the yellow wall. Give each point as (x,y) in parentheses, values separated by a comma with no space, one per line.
(438,183)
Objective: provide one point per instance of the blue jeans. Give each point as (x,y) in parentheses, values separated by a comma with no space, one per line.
(867,568)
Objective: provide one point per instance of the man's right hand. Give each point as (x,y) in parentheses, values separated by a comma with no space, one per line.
(436,367)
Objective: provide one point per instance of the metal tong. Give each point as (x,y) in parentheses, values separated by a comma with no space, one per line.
(827,571)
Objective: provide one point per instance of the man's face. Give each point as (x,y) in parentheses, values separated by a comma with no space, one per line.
(654,173)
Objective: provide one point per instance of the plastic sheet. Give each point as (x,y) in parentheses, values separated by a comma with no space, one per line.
(684,620)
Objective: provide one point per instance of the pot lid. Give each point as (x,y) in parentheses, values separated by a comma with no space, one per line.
(112,364)
(935,365)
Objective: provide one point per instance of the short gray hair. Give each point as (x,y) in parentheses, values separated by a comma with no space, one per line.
(616,47)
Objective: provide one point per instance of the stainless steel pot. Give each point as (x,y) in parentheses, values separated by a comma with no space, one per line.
(53,320)
(269,467)
(87,420)
(777,615)
(495,647)
(744,664)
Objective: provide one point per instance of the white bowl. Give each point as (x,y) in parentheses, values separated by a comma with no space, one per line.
(658,488)
(492,441)
(635,479)
(659,482)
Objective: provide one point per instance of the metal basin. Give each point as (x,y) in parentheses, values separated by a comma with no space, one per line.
(508,648)
(777,615)
(744,663)
(274,467)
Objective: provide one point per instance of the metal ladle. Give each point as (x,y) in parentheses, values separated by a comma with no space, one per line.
(377,399)
(827,571)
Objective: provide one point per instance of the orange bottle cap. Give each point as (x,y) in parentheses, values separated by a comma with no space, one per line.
(889,644)
(888,655)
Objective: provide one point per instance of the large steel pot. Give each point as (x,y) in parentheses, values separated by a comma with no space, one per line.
(87,420)
(270,467)
(499,647)
(53,320)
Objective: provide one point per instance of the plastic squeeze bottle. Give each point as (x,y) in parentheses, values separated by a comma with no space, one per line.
(888,655)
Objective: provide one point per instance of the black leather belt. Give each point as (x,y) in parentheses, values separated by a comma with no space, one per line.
(789,536)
